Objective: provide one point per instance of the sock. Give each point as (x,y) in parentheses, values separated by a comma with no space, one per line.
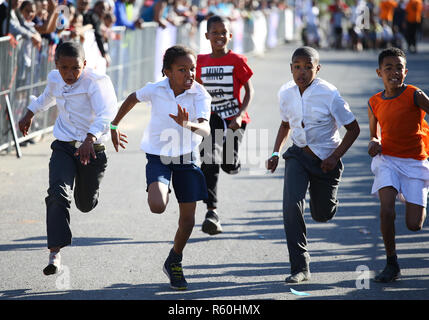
(174,256)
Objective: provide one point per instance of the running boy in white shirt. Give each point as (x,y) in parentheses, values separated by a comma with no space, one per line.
(86,104)
(179,119)
(314,111)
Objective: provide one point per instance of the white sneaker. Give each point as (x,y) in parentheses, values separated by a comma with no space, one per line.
(54,265)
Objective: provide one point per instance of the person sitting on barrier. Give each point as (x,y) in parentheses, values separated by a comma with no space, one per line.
(399,152)
(179,118)
(86,104)
(314,111)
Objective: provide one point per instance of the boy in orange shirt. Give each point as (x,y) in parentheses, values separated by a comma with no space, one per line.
(413,11)
(400,154)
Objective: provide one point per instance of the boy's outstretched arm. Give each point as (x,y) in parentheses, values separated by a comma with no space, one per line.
(374,145)
(248,96)
(351,135)
(118,138)
(282,134)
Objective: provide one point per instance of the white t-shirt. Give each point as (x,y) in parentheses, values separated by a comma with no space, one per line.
(321,109)
(163,136)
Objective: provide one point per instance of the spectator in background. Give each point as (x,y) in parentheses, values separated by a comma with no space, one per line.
(16,26)
(121,16)
(82,6)
(338,12)
(399,17)
(46,18)
(95,17)
(413,16)
(4,11)
(155,11)
(106,29)
(28,12)
(76,27)
(387,8)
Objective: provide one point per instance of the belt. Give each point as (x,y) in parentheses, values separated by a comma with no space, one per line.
(310,152)
(97,147)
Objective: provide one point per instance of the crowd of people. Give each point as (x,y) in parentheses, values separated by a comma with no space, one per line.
(363,24)
(354,24)
(63,20)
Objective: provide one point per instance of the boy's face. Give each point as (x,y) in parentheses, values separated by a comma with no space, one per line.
(70,68)
(392,71)
(181,74)
(219,36)
(304,70)
(29,12)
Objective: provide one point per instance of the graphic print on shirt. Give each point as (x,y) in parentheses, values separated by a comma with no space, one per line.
(219,83)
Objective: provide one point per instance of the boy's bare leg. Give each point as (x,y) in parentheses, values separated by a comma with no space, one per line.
(415,215)
(173,265)
(186,225)
(387,197)
(157,197)
(391,271)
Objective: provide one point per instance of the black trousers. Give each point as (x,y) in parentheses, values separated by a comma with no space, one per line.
(219,151)
(67,175)
(411,35)
(302,173)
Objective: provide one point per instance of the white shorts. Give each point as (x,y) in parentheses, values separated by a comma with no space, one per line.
(409,177)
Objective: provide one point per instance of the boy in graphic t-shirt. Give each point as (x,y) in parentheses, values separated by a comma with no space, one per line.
(223,73)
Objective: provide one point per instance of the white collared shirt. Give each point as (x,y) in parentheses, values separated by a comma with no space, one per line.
(163,136)
(86,106)
(316,116)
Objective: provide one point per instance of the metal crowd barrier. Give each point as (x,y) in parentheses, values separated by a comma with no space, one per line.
(134,61)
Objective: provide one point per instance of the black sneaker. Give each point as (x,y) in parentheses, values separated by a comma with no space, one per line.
(390,273)
(211,224)
(174,272)
(298,277)
(54,265)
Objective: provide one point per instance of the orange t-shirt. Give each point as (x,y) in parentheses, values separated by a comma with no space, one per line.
(404,131)
(414,11)
(387,8)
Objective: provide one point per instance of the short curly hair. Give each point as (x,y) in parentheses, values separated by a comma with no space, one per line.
(70,49)
(391,52)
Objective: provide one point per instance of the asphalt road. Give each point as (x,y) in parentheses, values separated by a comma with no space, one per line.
(119,248)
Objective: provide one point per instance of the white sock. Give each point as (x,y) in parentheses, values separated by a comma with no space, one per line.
(55,259)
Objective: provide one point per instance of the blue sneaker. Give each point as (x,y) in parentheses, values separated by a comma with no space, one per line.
(174,272)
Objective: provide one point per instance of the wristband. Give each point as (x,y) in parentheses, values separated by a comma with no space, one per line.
(275,154)
(113,127)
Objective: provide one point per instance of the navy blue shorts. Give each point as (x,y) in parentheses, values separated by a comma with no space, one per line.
(189,183)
